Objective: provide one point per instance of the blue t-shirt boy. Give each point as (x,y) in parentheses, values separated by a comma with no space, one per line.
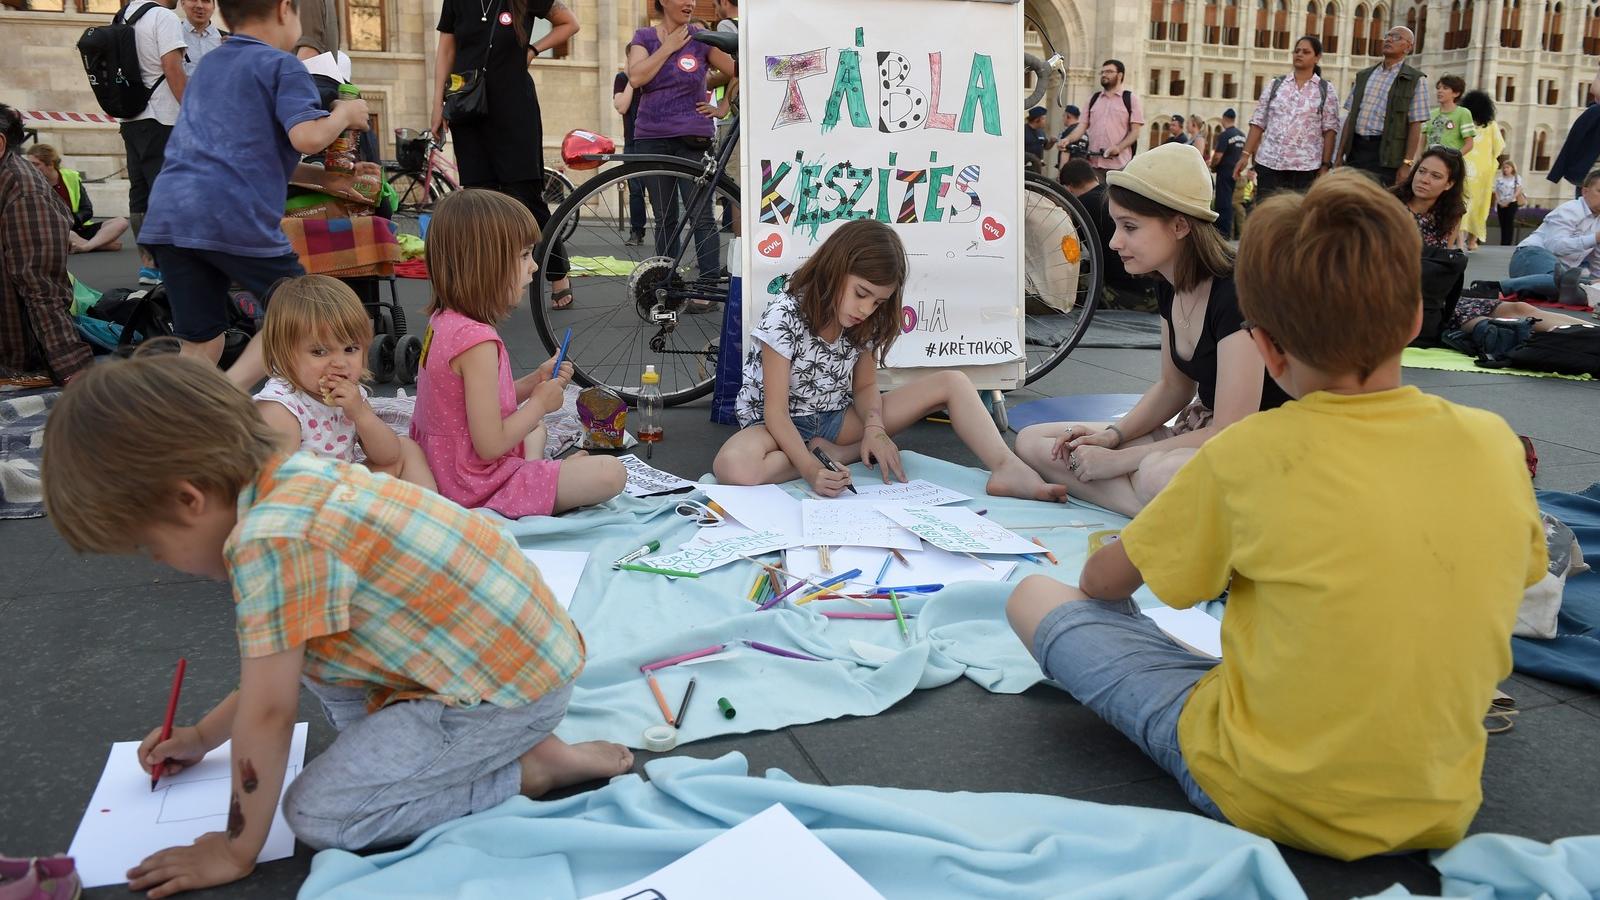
(229,159)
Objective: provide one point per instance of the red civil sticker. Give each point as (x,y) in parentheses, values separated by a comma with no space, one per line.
(505,18)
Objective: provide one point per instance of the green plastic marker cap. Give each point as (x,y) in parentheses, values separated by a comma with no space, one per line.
(728,711)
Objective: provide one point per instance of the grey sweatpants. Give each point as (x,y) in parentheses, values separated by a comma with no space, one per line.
(395,773)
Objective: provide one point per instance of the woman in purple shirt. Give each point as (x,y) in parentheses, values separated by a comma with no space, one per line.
(668,70)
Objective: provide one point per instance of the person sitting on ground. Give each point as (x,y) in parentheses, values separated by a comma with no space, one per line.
(35,292)
(1211,377)
(437,649)
(87,235)
(1562,252)
(1346,714)
(1119,290)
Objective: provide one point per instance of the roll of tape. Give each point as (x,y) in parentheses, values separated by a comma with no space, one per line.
(659,738)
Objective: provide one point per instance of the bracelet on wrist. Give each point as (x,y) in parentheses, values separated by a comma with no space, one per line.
(1121,438)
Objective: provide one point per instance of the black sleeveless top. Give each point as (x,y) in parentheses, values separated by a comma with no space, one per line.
(1222,318)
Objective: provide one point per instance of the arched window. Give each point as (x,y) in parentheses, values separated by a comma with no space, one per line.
(1375,30)
(1358,33)
(1230,23)
(1550,36)
(1158,132)
(1465,37)
(1591,31)
(1541,150)
(1454,30)
(1330,28)
(1212,27)
(1421,30)
(1511,24)
(1263,30)
(1312,18)
(1178,22)
(1158,20)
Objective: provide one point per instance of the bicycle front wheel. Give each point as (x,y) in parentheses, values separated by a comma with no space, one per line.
(1063,270)
(649,282)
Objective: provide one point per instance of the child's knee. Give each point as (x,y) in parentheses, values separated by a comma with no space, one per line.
(953,382)
(1032,600)
(1155,471)
(610,475)
(314,825)
(1034,443)
(734,467)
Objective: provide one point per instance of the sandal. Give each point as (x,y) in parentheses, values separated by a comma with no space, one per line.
(1501,709)
(558,296)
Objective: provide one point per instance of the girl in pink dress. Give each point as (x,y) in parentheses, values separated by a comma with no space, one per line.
(472,419)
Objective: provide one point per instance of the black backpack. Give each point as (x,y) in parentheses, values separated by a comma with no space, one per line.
(111,59)
(1569,350)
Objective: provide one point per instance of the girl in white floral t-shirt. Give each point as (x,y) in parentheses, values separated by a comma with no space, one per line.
(811,379)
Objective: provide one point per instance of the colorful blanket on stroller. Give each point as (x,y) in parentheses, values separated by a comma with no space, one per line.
(366,245)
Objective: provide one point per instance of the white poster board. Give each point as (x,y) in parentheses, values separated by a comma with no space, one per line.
(909,112)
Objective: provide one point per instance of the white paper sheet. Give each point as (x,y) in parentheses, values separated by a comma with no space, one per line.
(126,821)
(928,566)
(764,506)
(852,525)
(959,530)
(703,557)
(769,855)
(920,492)
(561,570)
(1190,627)
(645,480)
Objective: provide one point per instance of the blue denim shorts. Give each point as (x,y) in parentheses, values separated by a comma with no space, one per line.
(825,425)
(1115,661)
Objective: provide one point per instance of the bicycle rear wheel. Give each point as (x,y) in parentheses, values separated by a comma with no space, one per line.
(639,305)
(1063,272)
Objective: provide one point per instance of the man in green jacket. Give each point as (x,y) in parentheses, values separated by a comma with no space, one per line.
(87,235)
(1383,132)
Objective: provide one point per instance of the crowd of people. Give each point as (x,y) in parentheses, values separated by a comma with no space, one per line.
(359,570)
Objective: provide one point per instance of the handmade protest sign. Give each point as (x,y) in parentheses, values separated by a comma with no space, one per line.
(903,111)
(958,530)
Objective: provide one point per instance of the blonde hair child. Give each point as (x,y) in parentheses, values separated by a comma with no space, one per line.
(811,379)
(314,342)
(473,420)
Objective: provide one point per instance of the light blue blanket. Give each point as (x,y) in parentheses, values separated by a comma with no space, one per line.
(630,618)
(922,844)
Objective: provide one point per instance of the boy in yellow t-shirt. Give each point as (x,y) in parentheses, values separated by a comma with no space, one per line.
(1375,542)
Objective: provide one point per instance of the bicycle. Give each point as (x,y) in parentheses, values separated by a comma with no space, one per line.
(421,174)
(644,311)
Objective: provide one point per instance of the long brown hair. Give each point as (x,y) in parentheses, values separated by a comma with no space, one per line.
(474,244)
(865,248)
(1449,207)
(1203,254)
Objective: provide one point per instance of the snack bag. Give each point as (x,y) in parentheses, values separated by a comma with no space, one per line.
(604,416)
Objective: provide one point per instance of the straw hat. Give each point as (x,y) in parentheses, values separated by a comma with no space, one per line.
(1172,175)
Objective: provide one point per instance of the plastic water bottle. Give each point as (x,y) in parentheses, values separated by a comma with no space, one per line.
(650,406)
(341,154)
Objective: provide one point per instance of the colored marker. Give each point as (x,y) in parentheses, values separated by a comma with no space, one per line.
(682,657)
(883,571)
(914,589)
(899,616)
(755,586)
(640,553)
(684,706)
(831,466)
(661,699)
(1047,554)
(562,355)
(166,725)
(779,597)
(900,556)
(845,576)
(875,616)
(779,651)
(1032,557)
(670,573)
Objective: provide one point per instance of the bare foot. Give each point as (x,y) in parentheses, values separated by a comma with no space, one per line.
(554,763)
(1015,479)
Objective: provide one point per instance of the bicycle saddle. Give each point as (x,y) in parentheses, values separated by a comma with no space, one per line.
(725,41)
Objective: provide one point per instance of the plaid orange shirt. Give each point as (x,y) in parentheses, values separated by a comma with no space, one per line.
(393,588)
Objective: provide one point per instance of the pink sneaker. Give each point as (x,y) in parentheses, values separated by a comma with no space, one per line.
(50,878)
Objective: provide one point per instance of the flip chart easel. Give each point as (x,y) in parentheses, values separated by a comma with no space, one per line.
(909,112)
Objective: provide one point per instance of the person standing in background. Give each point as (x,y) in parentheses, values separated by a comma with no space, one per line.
(159,37)
(1224,160)
(1293,128)
(1113,132)
(319,28)
(1508,199)
(199,33)
(1078,149)
(1196,127)
(1383,134)
(1175,132)
(1035,140)
(625,100)
(1483,163)
(505,150)
(725,85)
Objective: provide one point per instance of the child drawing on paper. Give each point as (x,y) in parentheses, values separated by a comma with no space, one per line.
(315,341)
(810,379)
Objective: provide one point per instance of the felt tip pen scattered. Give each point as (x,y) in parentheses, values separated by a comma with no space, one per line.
(661,699)
(640,553)
(671,573)
(1047,554)
(824,585)
(779,651)
(883,571)
(900,616)
(166,725)
(561,357)
(779,597)
(683,657)
(872,616)
(831,466)
(684,706)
